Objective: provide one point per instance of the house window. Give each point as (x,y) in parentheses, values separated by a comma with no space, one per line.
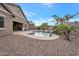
(1,22)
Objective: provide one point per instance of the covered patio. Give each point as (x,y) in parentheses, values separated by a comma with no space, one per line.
(17,26)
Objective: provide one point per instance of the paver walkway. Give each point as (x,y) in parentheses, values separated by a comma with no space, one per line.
(22,45)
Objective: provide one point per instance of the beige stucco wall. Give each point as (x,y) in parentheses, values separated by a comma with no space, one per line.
(7,24)
(8,21)
(19,16)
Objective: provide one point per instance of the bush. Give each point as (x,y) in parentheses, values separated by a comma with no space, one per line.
(63,29)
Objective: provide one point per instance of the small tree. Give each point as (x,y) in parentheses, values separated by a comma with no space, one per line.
(64,29)
(44,26)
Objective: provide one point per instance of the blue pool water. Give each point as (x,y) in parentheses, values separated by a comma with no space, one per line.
(41,34)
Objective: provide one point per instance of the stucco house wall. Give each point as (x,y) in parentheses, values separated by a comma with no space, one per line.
(18,13)
(7,24)
(8,19)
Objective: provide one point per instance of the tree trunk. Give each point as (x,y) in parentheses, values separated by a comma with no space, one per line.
(67,36)
(57,23)
(67,21)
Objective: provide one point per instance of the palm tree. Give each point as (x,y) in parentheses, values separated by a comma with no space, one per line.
(68,17)
(61,20)
(56,19)
(74,14)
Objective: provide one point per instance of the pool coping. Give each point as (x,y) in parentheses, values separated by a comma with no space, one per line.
(26,33)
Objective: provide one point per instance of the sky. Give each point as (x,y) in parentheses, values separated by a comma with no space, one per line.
(39,13)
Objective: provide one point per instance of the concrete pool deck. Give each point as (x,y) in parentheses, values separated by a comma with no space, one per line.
(26,33)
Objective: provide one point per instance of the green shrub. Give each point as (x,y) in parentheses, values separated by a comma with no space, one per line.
(63,29)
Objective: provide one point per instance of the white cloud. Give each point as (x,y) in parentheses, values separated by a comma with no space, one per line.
(74,19)
(30,14)
(39,22)
(51,19)
(42,20)
(47,4)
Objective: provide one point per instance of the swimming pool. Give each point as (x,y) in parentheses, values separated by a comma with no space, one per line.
(41,34)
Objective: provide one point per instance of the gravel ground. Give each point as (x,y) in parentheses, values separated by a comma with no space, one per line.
(17,45)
